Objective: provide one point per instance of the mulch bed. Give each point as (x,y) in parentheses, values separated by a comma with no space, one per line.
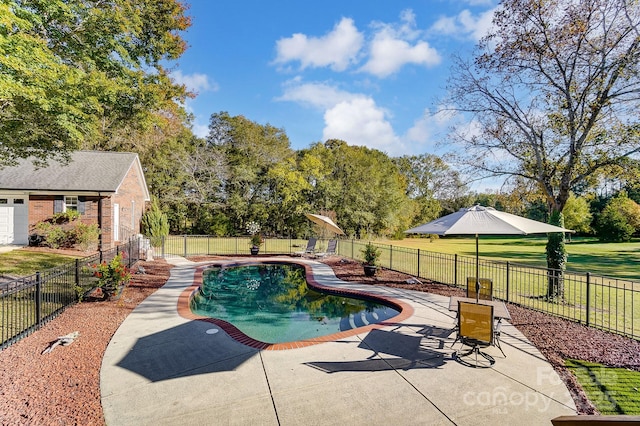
(63,387)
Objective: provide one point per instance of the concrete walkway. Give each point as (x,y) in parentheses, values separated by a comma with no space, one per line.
(161,369)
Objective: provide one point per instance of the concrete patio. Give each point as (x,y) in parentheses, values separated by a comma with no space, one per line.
(163,369)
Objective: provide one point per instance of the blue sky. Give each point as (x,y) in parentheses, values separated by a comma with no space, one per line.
(369,72)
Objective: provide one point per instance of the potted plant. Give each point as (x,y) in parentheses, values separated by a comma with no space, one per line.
(256,240)
(371,255)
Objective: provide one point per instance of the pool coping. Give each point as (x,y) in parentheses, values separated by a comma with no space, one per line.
(184,300)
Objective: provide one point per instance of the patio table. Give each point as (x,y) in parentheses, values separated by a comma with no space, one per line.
(499,307)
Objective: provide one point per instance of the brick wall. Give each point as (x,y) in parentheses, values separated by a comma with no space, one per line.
(131,201)
(41,208)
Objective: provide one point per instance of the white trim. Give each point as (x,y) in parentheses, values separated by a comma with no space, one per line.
(116,222)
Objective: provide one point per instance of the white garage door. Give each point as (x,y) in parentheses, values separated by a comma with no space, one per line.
(14,220)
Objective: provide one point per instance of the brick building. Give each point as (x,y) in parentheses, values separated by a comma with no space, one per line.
(107,188)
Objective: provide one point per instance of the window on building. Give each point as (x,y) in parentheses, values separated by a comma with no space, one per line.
(71,202)
(18,201)
(4,201)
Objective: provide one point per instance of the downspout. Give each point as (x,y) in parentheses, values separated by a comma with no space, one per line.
(100,220)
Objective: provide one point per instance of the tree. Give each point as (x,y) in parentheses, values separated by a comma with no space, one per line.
(75,71)
(431,184)
(361,185)
(251,151)
(577,215)
(619,220)
(154,224)
(553,94)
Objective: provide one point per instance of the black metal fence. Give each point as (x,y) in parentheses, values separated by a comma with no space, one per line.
(607,303)
(26,304)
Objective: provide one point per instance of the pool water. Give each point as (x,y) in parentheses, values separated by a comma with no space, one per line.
(273,304)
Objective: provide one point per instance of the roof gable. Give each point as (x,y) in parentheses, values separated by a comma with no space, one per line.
(96,171)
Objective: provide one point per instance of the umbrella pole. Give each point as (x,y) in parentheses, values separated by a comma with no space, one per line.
(477,272)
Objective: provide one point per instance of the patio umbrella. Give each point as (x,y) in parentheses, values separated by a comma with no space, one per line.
(325,222)
(479,220)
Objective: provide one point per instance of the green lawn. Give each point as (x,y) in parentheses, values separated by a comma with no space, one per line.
(620,260)
(23,262)
(612,390)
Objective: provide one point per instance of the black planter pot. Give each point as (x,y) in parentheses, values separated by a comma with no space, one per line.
(370,270)
(254,250)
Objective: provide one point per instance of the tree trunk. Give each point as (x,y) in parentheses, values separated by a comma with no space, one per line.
(556,259)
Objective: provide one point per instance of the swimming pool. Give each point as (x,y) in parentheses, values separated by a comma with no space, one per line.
(272,302)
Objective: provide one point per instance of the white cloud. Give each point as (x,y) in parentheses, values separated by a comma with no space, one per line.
(430,129)
(352,117)
(194,82)
(465,24)
(337,49)
(200,130)
(318,95)
(393,47)
(360,121)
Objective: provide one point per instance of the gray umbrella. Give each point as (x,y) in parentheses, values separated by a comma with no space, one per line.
(479,220)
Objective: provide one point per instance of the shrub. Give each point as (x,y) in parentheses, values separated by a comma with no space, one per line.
(613,226)
(86,236)
(619,220)
(64,230)
(371,254)
(112,275)
(154,224)
(65,217)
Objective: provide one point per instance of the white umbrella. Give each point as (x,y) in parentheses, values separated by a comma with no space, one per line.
(478,220)
(325,222)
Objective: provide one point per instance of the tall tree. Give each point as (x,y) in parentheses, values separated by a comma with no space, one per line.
(553,94)
(73,71)
(251,151)
(431,183)
(361,185)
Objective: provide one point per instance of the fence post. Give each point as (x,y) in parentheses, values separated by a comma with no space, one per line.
(184,239)
(390,257)
(455,269)
(130,249)
(507,295)
(352,243)
(588,296)
(77,274)
(38,299)
(163,241)
(418,263)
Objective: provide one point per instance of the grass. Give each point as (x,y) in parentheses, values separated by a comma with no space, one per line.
(619,260)
(614,391)
(22,262)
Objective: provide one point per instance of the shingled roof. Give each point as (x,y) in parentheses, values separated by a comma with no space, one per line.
(95,171)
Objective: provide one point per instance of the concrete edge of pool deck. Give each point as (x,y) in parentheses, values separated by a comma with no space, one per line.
(161,368)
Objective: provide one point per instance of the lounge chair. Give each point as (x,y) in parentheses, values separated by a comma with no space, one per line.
(332,246)
(475,329)
(311,248)
(486,288)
